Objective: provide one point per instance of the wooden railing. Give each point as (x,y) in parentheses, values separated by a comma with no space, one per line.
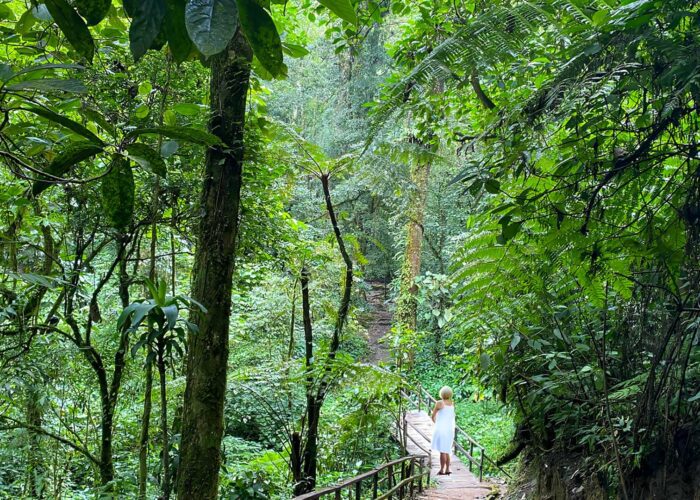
(406,477)
(421,399)
(399,479)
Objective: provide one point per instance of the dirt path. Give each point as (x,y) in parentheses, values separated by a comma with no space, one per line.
(379,324)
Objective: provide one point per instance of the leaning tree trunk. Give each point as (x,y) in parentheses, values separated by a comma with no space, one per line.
(407,304)
(202,424)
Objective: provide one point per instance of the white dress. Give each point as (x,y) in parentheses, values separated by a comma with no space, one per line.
(444,431)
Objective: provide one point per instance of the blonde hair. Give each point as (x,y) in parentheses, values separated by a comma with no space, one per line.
(446,393)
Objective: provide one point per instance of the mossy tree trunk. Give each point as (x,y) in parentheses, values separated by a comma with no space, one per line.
(202,422)
(407,303)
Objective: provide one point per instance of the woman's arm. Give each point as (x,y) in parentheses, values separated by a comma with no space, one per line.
(438,407)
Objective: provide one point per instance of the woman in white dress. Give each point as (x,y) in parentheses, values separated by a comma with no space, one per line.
(444,431)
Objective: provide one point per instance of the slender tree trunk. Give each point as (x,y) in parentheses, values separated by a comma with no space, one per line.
(313,415)
(344,307)
(35,469)
(202,423)
(34,410)
(147,399)
(106,464)
(164,418)
(290,350)
(145,427)
(295,461)
(304,465)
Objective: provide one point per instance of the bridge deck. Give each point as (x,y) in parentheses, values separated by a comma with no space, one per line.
(461,484)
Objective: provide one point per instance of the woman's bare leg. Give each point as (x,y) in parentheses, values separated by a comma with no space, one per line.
(447,463)
(442,463)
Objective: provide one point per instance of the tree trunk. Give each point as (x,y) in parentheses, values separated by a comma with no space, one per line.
(344,307)
(164,419)
(202,424)
(407,305)
(106,464)
(147,400)
(35,468)
(313,415)
(145,425)
(295,461)
(304,466)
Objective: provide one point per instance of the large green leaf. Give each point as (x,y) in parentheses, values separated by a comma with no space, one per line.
(46,67)
(147,158)
(132,316)
(118,193)
(183,133)
(145,25)
(260,30)
(73,27)
(97,117)
(66,122)
(6,72)
(140,313)
(61,164)
(176,31)
(294,50)
(50,84)
(211,24)
(341,8)
(171,313)
(93,11)
(25,23)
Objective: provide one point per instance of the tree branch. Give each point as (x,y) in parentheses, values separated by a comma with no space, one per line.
(16,424)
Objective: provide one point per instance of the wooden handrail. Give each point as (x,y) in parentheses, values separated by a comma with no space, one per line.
(423,462)
(403,483)
(374,473)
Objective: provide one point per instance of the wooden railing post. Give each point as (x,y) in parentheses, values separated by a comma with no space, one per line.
(390,478)
(337,494)
(430,469)
(375,485)
(422,470)
(358,490)
(404,434)
(411,468)
(455,439)
(471,454)
(481,464)
(402,477)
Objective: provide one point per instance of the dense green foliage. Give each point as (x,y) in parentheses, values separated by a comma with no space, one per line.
(524,176)
(577,281)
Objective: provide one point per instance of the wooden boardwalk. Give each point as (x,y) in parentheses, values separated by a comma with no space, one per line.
(461,484)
